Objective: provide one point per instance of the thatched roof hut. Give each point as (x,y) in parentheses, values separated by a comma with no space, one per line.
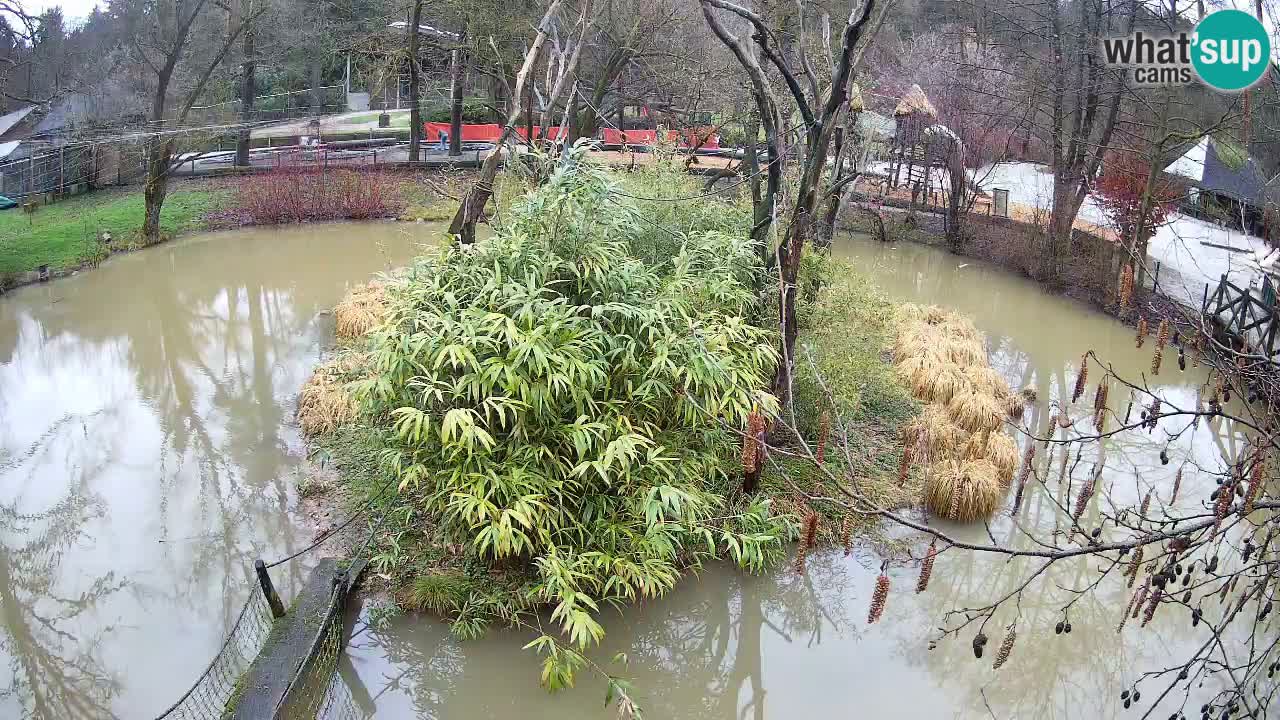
(915,102)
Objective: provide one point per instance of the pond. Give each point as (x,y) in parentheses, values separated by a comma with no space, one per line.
(148,454)
(726,645)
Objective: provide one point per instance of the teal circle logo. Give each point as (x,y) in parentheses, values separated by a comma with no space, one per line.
(1231,50)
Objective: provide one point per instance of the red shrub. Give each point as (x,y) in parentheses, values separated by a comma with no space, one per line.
(288,195)
(1119,192)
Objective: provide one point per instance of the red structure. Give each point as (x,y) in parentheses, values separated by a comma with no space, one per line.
(490,133)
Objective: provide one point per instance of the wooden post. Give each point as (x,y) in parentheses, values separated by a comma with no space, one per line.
(268,589)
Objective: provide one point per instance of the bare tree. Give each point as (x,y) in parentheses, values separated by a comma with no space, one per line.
(472,207)
(820,107)
(413,33)
(162,37)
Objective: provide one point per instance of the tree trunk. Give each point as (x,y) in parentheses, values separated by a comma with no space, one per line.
(955,195)
(455,102)
(832,210)
(415,111)
(472,206)
(317,95)
(156,188)
(1058,235)
(248,90)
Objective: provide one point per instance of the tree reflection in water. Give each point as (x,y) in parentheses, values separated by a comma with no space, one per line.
(163,384)
(47,635)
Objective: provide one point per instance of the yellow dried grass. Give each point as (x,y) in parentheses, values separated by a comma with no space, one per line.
(360,311)
(1002,451)
(324,402)
(1015,405)
(936,435)
(976,411)
(963,491)
(965,352)
(941,356)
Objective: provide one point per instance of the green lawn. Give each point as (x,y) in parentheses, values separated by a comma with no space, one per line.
(62,235)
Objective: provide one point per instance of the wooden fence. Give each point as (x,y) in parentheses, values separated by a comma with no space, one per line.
(1250,318)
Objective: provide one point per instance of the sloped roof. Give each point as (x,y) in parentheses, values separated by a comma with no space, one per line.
(915,101)
(8,121)
(1244,183)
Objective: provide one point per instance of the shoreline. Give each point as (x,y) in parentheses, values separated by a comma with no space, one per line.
(215,221)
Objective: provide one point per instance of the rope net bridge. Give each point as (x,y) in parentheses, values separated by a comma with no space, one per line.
(283,665)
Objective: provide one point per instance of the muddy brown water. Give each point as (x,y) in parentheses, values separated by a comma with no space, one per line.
(726,645)
(148,455)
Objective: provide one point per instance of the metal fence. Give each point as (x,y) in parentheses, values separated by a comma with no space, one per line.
(209,696)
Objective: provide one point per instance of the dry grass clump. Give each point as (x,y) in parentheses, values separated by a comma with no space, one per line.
(941,357)
(977,411)
(324,402)
(360,311)
(1002,451)
(935,435)
(963,491)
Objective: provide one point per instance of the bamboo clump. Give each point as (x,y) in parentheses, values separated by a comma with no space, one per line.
(969,461)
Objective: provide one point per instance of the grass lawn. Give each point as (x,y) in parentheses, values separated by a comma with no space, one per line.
(63,234)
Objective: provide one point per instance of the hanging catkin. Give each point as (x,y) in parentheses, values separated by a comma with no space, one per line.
(1162,337)
(1082,378)
(878,598)
(1140,601)
(824,430)
(808,537)
(926,566)
(1177,483)
(1128,608)
(1225,494)
(1006,647)
(1100,405)
(1146,505)
(1126,289)
(1028,460)
(1255,483)
(1142,331)
(1083,499)
(1152,604)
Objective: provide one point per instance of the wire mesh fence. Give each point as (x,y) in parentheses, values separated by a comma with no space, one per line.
(322,693)
(210,695)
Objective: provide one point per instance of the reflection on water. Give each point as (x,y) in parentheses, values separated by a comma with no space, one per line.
(724,645)
(147,455)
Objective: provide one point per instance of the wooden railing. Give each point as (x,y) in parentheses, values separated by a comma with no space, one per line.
(1253,319)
